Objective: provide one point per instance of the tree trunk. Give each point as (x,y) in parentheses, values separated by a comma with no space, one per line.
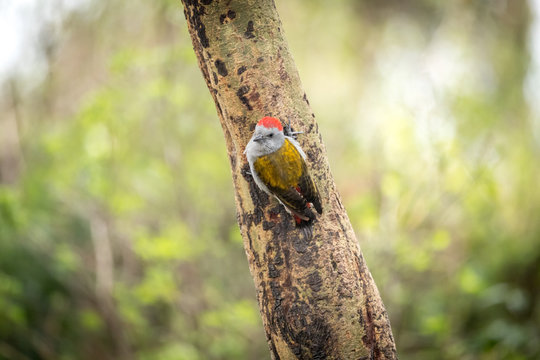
(316,295)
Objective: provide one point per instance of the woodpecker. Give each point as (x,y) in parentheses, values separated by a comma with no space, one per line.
(277,164)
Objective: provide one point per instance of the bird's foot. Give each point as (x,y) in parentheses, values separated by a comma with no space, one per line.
(288,130)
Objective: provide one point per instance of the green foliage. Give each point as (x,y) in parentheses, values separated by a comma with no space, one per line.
(118,238)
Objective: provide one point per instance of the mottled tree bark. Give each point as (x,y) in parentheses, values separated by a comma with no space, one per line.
(316,295)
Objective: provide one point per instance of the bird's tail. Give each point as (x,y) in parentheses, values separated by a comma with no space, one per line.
(305,225)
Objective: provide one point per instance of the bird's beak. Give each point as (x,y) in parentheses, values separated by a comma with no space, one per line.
(258,138)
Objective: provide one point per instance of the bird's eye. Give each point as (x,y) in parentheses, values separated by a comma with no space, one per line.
(271,134)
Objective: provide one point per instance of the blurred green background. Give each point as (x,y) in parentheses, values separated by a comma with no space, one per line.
(118,233)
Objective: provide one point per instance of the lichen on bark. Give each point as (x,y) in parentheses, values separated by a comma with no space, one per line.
(316,296)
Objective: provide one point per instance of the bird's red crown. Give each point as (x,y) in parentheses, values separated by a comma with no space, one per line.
(270,122)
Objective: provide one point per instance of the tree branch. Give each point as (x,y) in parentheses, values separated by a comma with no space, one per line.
(316,295)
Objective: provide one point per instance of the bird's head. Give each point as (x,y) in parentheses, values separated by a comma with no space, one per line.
(267,138)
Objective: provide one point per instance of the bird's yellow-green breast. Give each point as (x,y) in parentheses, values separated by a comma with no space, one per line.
(281,169)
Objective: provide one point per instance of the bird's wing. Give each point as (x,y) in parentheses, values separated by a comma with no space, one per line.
(285,174)
(309,190)
(307,186)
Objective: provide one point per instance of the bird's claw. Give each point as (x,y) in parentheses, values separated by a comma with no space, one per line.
(288,130)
